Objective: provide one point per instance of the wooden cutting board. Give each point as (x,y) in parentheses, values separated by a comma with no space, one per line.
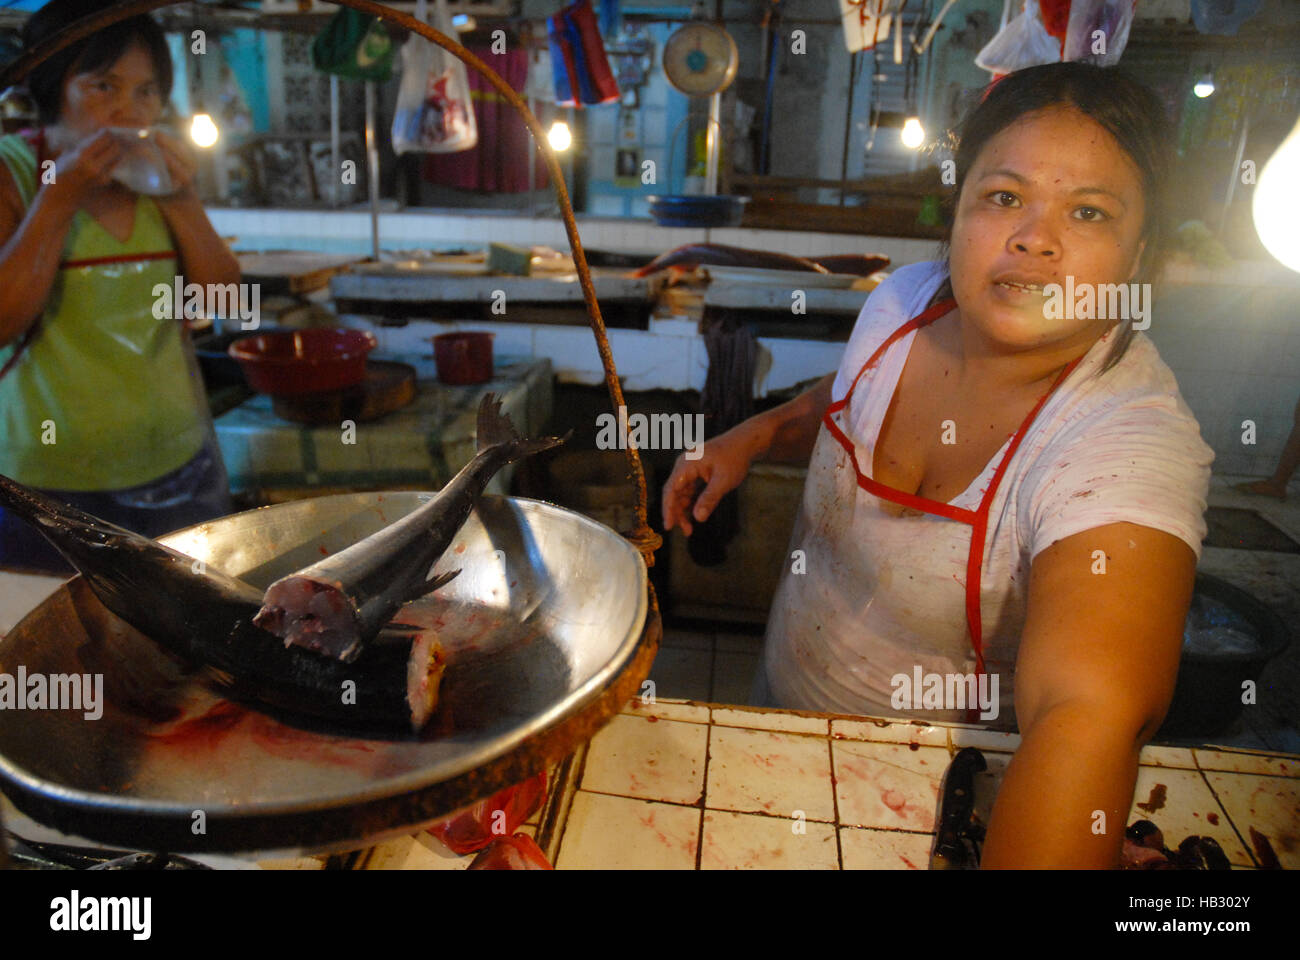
(387,387)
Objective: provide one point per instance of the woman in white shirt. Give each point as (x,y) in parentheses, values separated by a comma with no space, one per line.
(1003,511)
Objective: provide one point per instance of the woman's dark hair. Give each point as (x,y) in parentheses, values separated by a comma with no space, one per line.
(1125,107)
(100,50)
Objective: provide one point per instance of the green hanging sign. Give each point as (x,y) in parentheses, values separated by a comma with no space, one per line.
(355,46)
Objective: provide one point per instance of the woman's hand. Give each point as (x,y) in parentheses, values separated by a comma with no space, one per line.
(721,468)
(81,170)
(180,165)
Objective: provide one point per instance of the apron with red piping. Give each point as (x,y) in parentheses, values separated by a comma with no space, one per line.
(877,579)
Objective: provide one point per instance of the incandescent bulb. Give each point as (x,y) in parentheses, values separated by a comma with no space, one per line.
(1276,204)
(913,133)
(559,136)
(202,130)
(1204,86)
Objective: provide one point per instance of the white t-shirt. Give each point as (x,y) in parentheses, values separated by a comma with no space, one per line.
(881,596)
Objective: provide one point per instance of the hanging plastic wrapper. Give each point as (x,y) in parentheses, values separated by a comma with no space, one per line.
(580,65)
(540,84)
(354,46)
(1023,42)
(866,22)
(434,113)
(1099,30)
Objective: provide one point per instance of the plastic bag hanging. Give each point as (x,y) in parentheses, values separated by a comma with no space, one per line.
(866,23)
(354,46)
(1023,42)
(1099,30)
(434,113)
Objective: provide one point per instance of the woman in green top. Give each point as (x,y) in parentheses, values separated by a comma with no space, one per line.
(100,401)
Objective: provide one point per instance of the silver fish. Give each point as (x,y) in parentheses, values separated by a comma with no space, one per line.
(337,606)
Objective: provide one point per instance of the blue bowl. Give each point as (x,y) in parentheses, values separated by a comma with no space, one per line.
(696,211)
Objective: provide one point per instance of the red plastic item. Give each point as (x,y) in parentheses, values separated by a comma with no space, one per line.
(495,818)
(593,51)
(517,852)
(463,358)
(290,363)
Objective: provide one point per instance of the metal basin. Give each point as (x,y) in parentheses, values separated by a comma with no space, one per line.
(550,629)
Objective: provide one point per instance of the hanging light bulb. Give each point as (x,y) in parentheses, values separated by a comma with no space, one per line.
(559,136)
(1276,204)
(203,131)
(913,133)
(1204,86)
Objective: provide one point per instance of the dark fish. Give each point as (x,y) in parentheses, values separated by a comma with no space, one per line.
(857,264)
(337,606)
(206,617)
(694,254)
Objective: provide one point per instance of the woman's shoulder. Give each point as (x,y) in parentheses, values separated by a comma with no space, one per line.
(1136,406)
(906,292)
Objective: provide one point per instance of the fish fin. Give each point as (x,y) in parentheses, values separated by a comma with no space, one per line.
(428,586)
(494,427)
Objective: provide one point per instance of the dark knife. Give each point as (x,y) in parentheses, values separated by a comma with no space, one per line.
(957,844)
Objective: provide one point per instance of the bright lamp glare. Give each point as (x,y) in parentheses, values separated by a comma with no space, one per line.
(559,136)
(1204,86)
(913,133)
(1276,204)
(202,130)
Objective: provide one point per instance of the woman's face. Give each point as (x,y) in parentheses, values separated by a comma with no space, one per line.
(1051,196)
(126,94)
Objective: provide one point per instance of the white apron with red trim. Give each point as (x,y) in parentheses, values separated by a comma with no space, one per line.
(876,582)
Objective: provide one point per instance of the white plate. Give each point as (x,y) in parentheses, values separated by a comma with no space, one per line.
(779,278)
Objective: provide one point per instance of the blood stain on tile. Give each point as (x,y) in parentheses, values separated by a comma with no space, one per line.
(1264,851)
(1213,818)
(1156,799)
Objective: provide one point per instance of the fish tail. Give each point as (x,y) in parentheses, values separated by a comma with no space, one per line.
(495,428)
(57,521)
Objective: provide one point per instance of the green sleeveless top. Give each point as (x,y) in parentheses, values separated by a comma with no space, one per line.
(102,398)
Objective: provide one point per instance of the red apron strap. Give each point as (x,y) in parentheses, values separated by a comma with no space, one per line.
(975,559)
(874,487)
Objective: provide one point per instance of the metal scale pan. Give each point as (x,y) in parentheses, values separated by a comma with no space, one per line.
(549,630)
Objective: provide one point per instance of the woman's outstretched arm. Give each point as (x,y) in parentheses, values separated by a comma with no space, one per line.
(1094,678)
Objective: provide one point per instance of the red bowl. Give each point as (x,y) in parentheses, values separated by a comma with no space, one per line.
(290,363)
(464,357)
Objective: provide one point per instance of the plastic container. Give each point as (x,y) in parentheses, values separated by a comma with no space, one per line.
(143,167)
(292,363)
(463,358)
(1208,696)
(688,211)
